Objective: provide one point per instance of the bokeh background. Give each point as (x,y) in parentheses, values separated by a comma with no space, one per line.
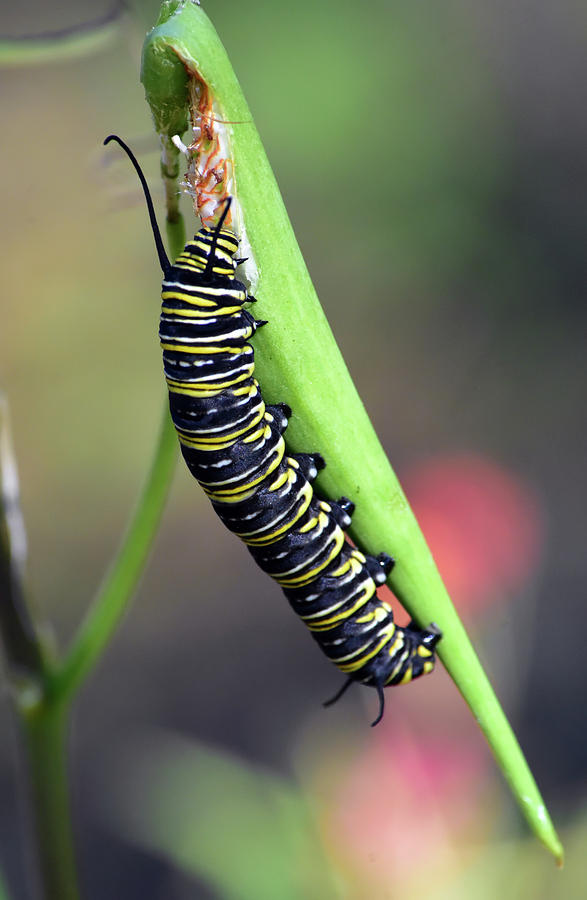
(433,158)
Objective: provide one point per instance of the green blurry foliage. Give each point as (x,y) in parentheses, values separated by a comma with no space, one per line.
(246,832)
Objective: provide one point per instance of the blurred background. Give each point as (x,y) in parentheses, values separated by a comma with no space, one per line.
(433,158)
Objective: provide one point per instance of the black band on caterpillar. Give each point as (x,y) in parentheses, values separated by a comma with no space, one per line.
(233,444)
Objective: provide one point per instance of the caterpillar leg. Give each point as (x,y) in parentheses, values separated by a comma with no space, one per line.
(310,464)
(430,636)
(281,413)
(346,505)
(386,562)
(318,460)
(285,409)
(418,653)
(379,567)
(341,511)
(424,637)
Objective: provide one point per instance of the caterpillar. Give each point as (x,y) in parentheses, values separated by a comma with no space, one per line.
(233,445)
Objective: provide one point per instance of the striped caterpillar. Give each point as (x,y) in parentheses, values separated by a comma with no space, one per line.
(233,445)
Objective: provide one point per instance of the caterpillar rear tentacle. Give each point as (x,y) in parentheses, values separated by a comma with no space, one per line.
(233,444)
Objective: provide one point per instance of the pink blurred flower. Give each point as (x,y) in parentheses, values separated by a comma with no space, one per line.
(482,522)
(405,804)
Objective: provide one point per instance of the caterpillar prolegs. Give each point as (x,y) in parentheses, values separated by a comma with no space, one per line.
(233,445)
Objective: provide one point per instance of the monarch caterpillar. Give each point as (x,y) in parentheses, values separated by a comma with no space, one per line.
(233,445)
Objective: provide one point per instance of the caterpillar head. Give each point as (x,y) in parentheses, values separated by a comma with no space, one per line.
(211,251)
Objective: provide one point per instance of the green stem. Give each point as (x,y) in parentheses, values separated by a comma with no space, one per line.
(303,367)
(45,727)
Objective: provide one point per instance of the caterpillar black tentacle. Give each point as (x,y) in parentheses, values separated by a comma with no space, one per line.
(163,259)
(381,695)
(233,444)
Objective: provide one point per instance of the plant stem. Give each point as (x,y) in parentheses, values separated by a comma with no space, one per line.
(45,727)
